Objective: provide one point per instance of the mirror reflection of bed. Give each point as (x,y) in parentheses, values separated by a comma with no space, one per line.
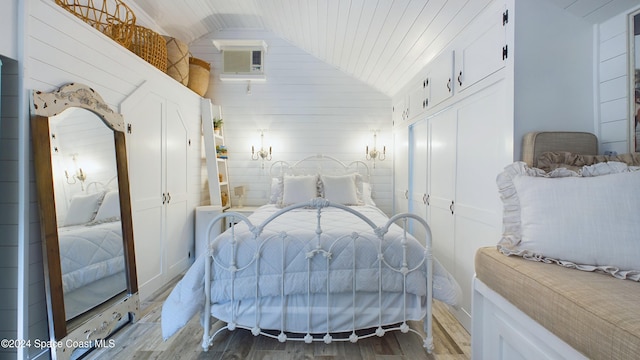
(87,209)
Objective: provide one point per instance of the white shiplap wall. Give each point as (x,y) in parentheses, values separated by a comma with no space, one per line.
(613,84)
(307,106)
(60,48)
(9,200)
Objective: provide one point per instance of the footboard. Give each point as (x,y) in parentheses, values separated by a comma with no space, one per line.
(319,256)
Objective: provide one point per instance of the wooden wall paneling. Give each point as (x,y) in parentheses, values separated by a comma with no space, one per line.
(308,106)
(9,204)
(613,84)
(62,48)
(391,36)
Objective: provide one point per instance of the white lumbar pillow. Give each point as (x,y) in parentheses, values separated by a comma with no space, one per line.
(586,222)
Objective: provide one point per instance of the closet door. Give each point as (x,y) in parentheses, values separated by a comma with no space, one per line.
(400,169)
(442,175)
(176,162)
(145,150)
(158,152)
(418,165)
(484,138)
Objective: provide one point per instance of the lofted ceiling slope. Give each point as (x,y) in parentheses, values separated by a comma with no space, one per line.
(383,43)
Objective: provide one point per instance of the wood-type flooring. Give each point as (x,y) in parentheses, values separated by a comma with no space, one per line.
(143,340)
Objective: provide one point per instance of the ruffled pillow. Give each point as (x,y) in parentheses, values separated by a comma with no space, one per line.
(586,219)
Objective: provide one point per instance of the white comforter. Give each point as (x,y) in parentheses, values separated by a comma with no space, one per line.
(90,252)
(301,240)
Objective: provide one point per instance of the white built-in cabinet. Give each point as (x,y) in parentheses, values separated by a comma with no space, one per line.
(158,149)
(463,116)
(400,170)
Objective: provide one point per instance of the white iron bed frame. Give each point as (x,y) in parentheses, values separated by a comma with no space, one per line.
(319,204)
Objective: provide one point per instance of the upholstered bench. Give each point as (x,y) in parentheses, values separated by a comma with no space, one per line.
(591,313)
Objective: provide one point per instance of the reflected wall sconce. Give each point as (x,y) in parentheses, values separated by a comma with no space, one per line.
(262,154)
(375,154)
(78,175)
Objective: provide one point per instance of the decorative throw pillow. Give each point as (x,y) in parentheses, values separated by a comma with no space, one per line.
(110,207)
(586,222)
(340,189)
(297,189)
(365,193)
(82,208)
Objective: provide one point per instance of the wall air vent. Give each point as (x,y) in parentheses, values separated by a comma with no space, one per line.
(242,59)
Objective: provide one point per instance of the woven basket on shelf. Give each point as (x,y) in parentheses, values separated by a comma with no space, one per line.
(150,46)
(177,60)
(199,75)
(111,17)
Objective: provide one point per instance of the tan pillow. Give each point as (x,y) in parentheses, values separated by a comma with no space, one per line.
(550,161)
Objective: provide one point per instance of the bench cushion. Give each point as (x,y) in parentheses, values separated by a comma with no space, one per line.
(596,314)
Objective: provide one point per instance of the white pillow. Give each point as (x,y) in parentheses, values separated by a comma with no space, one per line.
(110,207)
(588,223)
(364,193)
(340,189)
(83,208)
(297,189)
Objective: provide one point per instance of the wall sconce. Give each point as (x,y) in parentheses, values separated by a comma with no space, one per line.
(78,175)
(374,154)
(262,154)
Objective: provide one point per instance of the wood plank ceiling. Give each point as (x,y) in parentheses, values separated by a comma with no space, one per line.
(383,43)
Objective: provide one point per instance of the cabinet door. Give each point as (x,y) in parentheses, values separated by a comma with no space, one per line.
(176,172)
(442,175)
(399,111)
(145,152)
(417,100)
(418,165)
(400,169)
(439,79)
(482,54)
(485,138)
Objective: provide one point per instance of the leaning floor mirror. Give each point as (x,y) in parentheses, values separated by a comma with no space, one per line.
(85,214)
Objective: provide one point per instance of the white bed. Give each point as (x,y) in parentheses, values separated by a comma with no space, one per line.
(316,246)
(91,252)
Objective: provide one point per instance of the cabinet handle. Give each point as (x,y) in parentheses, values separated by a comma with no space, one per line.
(460,78)
(451,207)
(164,198)
(168,198)
(406,194)
(425,199)
(449,85)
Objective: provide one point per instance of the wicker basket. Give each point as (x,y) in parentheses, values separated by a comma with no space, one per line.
(150,46)
(177,60)
(199,75)
(111,17)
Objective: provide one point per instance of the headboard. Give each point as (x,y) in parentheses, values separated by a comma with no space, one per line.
(535,144)
(319,164)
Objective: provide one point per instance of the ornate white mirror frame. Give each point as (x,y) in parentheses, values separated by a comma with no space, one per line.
(90,329)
